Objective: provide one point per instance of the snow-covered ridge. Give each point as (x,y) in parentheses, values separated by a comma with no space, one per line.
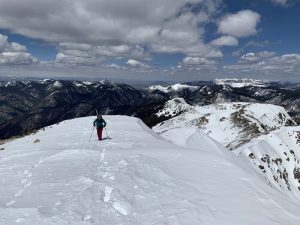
(174,87)
(56,83)
(276,157)
(239,83)
(259,134)
(174,107)
(57,176)
(231,124)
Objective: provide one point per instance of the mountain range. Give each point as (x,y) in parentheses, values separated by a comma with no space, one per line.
(29,105)
(218,152)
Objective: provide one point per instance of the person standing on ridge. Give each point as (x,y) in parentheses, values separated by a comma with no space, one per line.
(100,123)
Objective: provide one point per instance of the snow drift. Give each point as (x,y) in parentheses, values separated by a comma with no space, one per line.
(58,176)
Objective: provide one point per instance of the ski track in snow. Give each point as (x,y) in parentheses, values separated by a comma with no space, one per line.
(131,179)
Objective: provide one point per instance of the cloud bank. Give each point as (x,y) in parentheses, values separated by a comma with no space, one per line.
(124,37)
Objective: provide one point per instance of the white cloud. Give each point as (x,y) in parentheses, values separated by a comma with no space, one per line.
(251,57)
(16,47)
(214,54)
(267,64)
(286,59)
(16,58)
(197,61)
(87,54)
(136,63)
(167,26)
(122,51)
(240,24)
(14,53)
(77,59)
(225,41)
(113,65)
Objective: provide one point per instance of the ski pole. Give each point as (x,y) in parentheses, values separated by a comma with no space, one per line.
(92,132)
(106,132)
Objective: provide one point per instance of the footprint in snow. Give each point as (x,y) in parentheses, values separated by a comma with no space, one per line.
(23,181)
(86,217)
(107,193)
(122,208)
(123,163)
(27,184)
(108,175)
(10,203)
(38,163)
(102,155)
(112,177)
(20,220)
(19,193)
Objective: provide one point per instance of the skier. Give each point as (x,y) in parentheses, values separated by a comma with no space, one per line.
(100,123)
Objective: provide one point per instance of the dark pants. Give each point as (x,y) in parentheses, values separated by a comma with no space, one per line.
(99,132)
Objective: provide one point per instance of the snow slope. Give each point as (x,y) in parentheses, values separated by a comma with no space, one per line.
(135,178)
(277,157)
(231,124)
(255,132)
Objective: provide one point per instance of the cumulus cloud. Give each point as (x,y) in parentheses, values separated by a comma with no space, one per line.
(16,47)
(123,51)
(14,53)
(288,59)
(251,57)
(87,54)
(268,64)
(117,27)
(225,41)
(77,60)
(136,63)
(197,61)
(195,65)
(16,58)
(240,24)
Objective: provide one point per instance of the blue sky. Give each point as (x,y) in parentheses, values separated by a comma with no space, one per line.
(139,39)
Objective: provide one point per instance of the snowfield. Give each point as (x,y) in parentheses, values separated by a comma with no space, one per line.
(239,83)
(258,133)
(135,178)
(231,124)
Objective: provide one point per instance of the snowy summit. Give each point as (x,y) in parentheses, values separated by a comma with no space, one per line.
(57,176)
(239,83)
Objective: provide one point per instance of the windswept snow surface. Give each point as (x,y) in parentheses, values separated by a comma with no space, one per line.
(135,178)
(231,124)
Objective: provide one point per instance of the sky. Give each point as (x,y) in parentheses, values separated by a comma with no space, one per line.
(167,40)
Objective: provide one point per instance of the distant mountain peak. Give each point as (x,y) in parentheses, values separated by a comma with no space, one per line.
(238,83)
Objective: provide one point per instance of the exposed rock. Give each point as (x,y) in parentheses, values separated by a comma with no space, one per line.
(36,141)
